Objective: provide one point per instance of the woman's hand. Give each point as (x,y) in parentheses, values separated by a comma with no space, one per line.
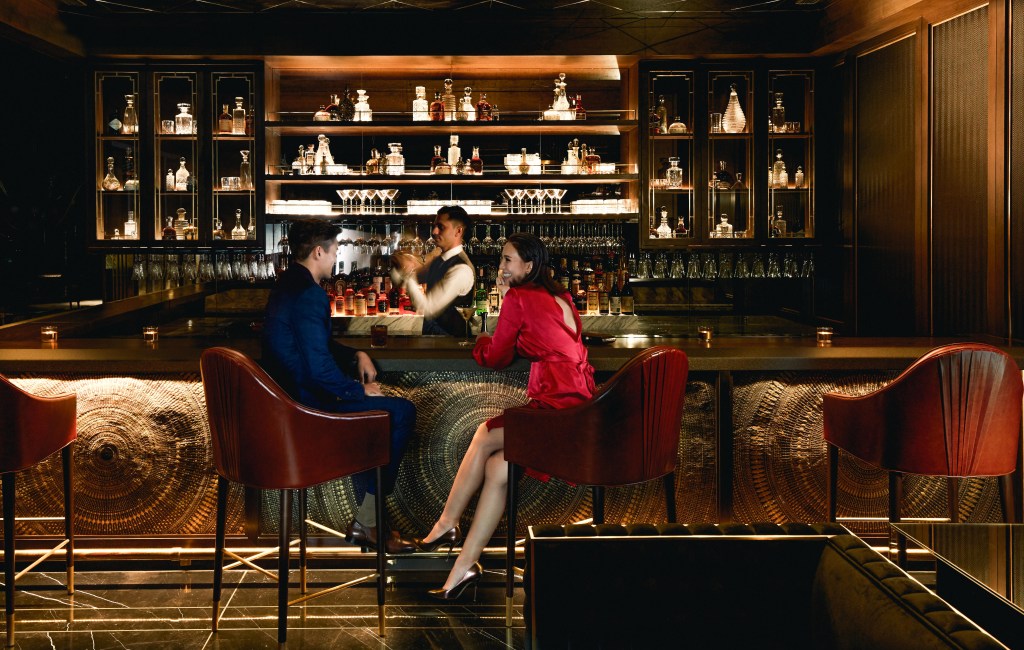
(501,285)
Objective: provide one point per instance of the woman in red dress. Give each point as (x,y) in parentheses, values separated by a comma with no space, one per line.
(538,322)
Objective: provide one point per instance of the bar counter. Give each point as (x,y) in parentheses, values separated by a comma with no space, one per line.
(750,445)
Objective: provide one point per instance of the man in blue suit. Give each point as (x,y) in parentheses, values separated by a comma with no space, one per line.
(300,354)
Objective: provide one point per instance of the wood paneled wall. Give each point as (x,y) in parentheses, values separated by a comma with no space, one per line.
(1016,170)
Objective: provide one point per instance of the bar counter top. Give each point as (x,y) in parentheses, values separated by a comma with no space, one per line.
(428,353)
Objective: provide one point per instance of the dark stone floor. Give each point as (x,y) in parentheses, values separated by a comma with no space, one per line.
(171,609)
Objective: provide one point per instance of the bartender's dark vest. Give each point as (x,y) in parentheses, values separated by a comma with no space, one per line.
(448,321)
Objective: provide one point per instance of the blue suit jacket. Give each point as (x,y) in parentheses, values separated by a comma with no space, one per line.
(298,351)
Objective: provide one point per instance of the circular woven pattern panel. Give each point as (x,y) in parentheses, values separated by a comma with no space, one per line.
(142,463)
(780,463)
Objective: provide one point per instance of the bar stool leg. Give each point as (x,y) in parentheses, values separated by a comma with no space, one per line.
(670,496)
(895,515)
(382,532)
(1006,498)
(510,541)
(833,480)
(218,553)
(953,494)
(8,488)
(597,495)
(283,552)
(69,514)
(302,540)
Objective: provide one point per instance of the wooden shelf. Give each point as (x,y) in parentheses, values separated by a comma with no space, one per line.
(489,178)
(405,127)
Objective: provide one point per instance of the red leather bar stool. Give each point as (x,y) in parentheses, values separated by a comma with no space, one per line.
(264,439)
(627,433)
(955,412)
(32,428)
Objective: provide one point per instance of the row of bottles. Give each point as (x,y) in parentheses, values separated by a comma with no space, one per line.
(232,121)
(182,227)
(180,180)
(446,107)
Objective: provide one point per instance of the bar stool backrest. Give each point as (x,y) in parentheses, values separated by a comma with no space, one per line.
(956,411)
(263,438)
(33,427)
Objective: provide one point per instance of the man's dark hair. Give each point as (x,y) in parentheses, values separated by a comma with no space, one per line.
(305,235)
(457,214)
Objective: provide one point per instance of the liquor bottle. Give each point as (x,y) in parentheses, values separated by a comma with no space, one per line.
(346,107)
(524,164)
(590,159)
(724,228)
(653,120)
(131,228)
(130,123)
(116,235)
(724,179)
(437,159)
(250,230)
(238,232)
(494,299)
(779,224)
(395,160)
(677,126)
(615,298)
(448,100)
(350,302)
(466,112)
(603,302)
(333,109)
(191,231)
(734,120)
(244,171)
(437,108)
(664,230)
(581,113)
(373,164)
(183,120)
(371,301)
(662,113)
(480,297)
(360,303)
(181,177)
(681,229)
(168,233)
(115,123)
(322,115)
(454,152)
(218,231)
(131,183)
(674,175)
(627,296)
(179,224)
(169,181)
(798,177)
(224,121)
(476,164)
(110,182)
(363,112)
(593,304)
(483,109)
(778,117)
(420,108)
(779,174)
(238,118)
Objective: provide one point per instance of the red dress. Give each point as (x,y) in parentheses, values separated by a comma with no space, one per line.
(532,326)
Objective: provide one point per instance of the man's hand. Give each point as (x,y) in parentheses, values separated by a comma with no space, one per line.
(366,372)
(405,263)
(372,389)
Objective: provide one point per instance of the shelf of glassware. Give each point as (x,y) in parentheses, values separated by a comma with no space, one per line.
(426,178)
(497,216)
(791,186)
(116,128)
(533,126)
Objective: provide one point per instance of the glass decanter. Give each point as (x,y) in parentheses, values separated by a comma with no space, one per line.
(734,120)
(238,232)
(664,230)
(454,152)
(130,123)
(373,164)
(224,120)
(437,159)
(798,177)
(322,115)
(110,182)
(778,224)
(653,120)
(778,116)
(238,118)
(724,179)
(191,231)
(168,234)
(524,164)
(169,181)
(250,230)
(346,108)
(674,175)
(181,177)
(183,120)
(437,108)
(483,109)
(662,113)
(448,101)
(681,229)
(591,159)
(363,111)
(218,230)
(131,227)
(420,108)
(180,222)
(131,183)
(561,102)
(244,171)
(476,164)
(467,111)
(581,113)
(780,178)
(677,126)
(333,109)
(724,228)
(396,161)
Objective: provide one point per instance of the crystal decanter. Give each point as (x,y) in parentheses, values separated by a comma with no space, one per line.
(224,120)
(674,175)
(181,177)
(250,230)
(561,102)
(448,101)
(724,228)
(180,223)
(396,161)
(238,232)
(476,164)
(333,109)
(437,108)
(238,118)
(734,120)
(677,126)
(168,233)
(483,109)
(662,113)
(437,159)
(466,112)
(183,120)
(798,177)
(363,111)
(131,227)
(130,123)
(244,171)
(454,151)
(780,178)
(131,181)
(110,182)
(664,230)
(420,107)
(778,117)
(346,107)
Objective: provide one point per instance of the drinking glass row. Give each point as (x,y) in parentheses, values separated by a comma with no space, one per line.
(177,270)
(713,266)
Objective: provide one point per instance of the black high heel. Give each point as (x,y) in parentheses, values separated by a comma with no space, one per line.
(472,577)
(450,539)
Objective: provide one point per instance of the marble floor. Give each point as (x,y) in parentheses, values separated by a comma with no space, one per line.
(171,609)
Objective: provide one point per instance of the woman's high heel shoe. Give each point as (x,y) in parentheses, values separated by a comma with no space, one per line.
(449,539)
(472,577)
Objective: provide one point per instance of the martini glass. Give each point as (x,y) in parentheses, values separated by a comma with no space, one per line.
(466,311)
(511,194)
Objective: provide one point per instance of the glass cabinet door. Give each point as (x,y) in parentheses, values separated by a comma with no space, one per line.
(791,148)
(117,152)
(669,211)
(176,155)
(730,144)
(235,175)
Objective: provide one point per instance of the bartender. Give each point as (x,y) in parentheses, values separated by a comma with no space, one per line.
(447,272)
